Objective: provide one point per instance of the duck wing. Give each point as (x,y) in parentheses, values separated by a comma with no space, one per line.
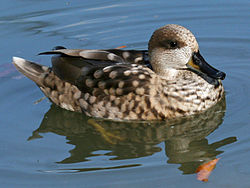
(68,63)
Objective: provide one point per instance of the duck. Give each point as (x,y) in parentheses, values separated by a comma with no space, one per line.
(169,80)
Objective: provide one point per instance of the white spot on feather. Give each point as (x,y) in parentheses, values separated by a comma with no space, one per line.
(125,55)
(142,76)
(127,72)
(135,83)
(67,106)
(138,59)
(111,56)
(108,68)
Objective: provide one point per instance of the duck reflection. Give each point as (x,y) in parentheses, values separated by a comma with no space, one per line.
(185,138)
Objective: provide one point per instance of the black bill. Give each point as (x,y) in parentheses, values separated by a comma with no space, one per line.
(198,63)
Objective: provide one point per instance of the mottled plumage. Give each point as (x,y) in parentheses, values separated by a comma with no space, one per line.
(168,81)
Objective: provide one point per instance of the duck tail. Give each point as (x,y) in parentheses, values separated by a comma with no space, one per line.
(32,70)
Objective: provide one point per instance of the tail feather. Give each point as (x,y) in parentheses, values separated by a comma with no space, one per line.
(31,70)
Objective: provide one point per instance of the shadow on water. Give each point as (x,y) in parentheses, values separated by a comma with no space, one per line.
(185,139)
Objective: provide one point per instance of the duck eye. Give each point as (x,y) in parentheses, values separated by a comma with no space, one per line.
(173,44)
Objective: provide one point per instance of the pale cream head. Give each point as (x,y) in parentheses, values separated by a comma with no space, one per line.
(170,49)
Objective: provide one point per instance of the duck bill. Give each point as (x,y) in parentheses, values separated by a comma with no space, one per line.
(198,63)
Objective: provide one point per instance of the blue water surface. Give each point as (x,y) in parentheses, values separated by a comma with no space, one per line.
(45,146)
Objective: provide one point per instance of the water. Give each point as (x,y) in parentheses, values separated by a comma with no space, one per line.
(44,146)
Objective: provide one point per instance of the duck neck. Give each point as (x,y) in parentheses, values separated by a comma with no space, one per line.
(169,74)
(174,74)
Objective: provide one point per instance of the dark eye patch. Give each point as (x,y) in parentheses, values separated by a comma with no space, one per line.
(169,44)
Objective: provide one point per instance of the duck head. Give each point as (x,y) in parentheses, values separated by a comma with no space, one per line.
(173,48)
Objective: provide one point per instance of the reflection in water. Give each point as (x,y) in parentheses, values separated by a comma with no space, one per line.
(185,139)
